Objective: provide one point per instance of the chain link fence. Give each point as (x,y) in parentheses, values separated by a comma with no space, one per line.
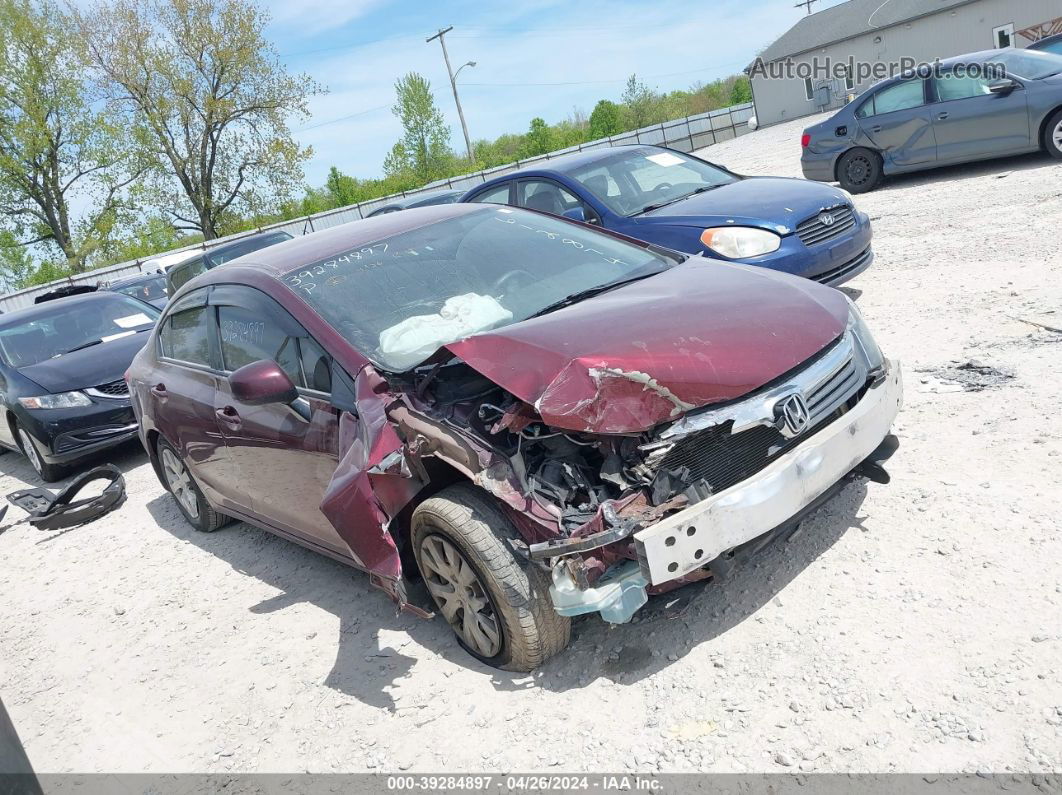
(685,135)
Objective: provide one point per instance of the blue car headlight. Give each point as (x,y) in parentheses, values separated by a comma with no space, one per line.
(740,242)
(857,326)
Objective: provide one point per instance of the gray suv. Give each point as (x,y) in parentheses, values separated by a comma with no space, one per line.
(912,122)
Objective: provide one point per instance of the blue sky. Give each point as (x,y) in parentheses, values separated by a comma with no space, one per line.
(534,58)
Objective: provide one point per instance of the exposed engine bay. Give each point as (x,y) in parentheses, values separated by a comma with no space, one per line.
(580,497)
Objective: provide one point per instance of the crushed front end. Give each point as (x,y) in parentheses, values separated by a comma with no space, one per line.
(618,516)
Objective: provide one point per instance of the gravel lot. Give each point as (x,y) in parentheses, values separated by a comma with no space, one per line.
(911,627)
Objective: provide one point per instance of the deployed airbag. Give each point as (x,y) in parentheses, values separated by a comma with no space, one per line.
(413,340)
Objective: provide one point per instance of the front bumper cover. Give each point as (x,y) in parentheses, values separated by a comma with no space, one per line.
(692,538)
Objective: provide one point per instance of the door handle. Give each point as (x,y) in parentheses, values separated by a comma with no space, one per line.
(159,390)
(876,128)
(229,417)
(943,116)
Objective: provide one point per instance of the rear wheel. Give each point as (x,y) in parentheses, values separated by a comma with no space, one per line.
(1053,136)
(860,170)
(186,493)
(496,602)
(49,473)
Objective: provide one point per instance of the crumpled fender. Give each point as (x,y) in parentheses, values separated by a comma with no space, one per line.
(349,502)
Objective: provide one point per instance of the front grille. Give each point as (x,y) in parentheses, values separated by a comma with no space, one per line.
(114,389)
(813,232)
(724,459)
(854,264)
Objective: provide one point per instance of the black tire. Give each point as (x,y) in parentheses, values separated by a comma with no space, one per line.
(202,517)
(860,170)
(514,592)
(49,473)
(1053,136)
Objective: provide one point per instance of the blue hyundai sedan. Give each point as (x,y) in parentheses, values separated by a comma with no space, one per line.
(683,203)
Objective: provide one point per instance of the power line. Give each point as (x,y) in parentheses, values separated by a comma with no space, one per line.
(343,118)
(615,80)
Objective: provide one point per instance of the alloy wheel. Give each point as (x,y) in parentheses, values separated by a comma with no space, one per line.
(31,451)
(1056,136)
(460,595)
(180,483)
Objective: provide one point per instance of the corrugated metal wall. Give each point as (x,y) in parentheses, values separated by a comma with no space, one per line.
(943,35)
(686,135)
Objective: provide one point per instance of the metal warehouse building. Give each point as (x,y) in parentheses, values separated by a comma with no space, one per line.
(786,85)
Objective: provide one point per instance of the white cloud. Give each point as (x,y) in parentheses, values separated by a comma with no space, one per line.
(671,44)
(313,16)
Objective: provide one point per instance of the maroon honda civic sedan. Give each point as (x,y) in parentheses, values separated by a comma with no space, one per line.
(522,416)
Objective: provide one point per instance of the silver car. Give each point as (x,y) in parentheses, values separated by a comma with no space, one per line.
(917,121)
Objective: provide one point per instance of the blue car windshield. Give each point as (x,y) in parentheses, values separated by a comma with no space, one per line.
(1030,65)
(634,181)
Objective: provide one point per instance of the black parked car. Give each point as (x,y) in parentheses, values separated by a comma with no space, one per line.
(419,200)
(62,367)
(150,287)
(179,275)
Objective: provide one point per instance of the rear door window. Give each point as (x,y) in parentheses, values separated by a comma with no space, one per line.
(185,336)
(180,275)
(499,194)
(902,96)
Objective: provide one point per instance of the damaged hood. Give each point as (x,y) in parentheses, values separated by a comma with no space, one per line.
(625,361)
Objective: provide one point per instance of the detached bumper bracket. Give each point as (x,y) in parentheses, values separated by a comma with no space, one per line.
(50,511)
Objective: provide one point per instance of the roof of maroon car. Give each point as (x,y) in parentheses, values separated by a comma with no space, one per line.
(284,257)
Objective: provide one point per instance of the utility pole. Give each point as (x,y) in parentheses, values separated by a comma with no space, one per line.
(807,4)
(453,84)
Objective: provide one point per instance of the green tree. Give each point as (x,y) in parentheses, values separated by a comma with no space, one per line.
(425,146)
(605,120)
(344,189)
(638,101)
(539,138)
(741,91)
(16,264)
(207,90)
(53,144)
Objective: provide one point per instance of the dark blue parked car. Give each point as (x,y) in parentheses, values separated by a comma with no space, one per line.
(687,204)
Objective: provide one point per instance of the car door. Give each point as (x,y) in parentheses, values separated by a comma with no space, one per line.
(7,438)
(970,121)
(185,383)
(546,195)
(286,455)
(898,122)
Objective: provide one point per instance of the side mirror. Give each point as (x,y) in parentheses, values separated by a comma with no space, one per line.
(262,382)
(1002,87)
(575,214)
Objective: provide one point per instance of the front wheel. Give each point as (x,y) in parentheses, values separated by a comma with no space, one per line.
(860,171)
(496,602)
(49,473)
(1053,136)
(186,492)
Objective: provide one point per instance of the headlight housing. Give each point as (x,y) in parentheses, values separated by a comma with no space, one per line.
(740,242)
(859,329)
(62,400)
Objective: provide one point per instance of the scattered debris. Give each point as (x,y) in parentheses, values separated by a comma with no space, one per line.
(970,376)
